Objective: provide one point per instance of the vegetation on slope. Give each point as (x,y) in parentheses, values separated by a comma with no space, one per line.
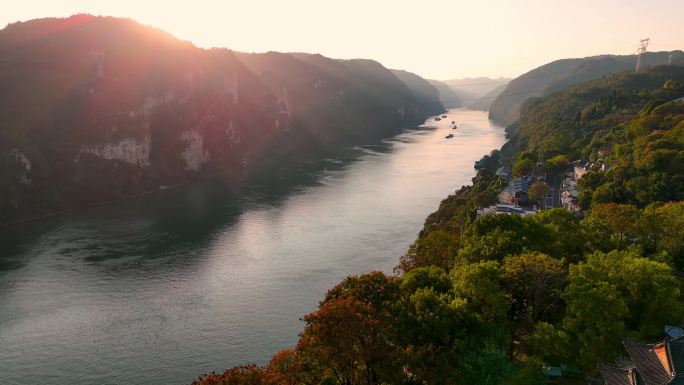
(559,74)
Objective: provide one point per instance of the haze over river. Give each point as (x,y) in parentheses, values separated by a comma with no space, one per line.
(160,289)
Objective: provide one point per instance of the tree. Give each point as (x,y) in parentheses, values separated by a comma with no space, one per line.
(438,248)
(549,343)
(616,293)
(647,287)
(351,337)
(523,167)
(480,284)
(558,164)
(622,219)
(434,333)
(344,341)
(537,192)
(530,373)
(594,319)
(663,230)
(535,282)
(431,277)
(488,365)
(564,238)
(239,375)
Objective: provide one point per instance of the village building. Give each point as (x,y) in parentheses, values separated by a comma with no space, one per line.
(569,195)
(660,363)
(580,168)
(504,172)
(505,209)
(516,190)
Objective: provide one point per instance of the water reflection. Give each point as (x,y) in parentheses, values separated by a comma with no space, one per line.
(159,289)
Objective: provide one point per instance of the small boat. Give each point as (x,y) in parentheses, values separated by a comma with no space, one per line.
(437,119)
(449,136)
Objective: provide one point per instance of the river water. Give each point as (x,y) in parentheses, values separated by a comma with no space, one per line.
(160,289)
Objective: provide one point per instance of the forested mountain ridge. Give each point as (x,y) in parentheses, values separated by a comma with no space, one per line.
(629,121)
(426,93)
(97,109)
(476,93)
(493,299)
(447,96)
(559,74)
(484,103)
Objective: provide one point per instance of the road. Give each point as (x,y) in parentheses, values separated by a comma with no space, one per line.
(552,199)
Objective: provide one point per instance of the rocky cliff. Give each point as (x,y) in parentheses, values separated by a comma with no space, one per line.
(98,109)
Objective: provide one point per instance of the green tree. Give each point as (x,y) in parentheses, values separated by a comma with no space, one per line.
(565,238)
(488,365)
(663,231)
(523,167)
(558,164)
(616,293)
(431,277)
(535,282)
(549,343)
(480,285)
(537,192)
(623,220)
(594,319)
(438,248)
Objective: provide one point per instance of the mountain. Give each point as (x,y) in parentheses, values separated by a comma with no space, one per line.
(475,93)
(427,96)
(98,109)
(485,101)
(562,73)
(447,96)
(473,88)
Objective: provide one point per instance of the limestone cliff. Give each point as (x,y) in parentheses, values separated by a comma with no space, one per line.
(97,109)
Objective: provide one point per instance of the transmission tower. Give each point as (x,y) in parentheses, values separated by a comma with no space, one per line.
(640,52)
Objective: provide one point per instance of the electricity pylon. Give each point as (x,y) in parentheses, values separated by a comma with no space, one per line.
(640,52)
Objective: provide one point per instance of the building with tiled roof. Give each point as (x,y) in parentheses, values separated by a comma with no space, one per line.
(660,363)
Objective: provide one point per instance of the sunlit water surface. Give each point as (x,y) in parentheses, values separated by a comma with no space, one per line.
(160,289)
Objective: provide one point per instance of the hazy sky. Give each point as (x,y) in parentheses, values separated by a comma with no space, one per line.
(436,39)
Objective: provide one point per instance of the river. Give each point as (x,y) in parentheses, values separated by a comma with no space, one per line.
(160,289)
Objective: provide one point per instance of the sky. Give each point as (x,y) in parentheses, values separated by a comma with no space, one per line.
(433,38)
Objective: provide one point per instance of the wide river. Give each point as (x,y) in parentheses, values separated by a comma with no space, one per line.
(161,289)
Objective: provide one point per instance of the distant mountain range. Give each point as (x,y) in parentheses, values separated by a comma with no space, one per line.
(476,93)
(561,74)
(98,109)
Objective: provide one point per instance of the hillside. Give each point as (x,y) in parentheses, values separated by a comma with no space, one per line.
(559,74)
(473,88)
(98,109)
(484,103)
(427,96)
(625,120)
(447,96)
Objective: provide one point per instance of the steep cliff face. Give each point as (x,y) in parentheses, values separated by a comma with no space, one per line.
(563,73)
(97,109)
